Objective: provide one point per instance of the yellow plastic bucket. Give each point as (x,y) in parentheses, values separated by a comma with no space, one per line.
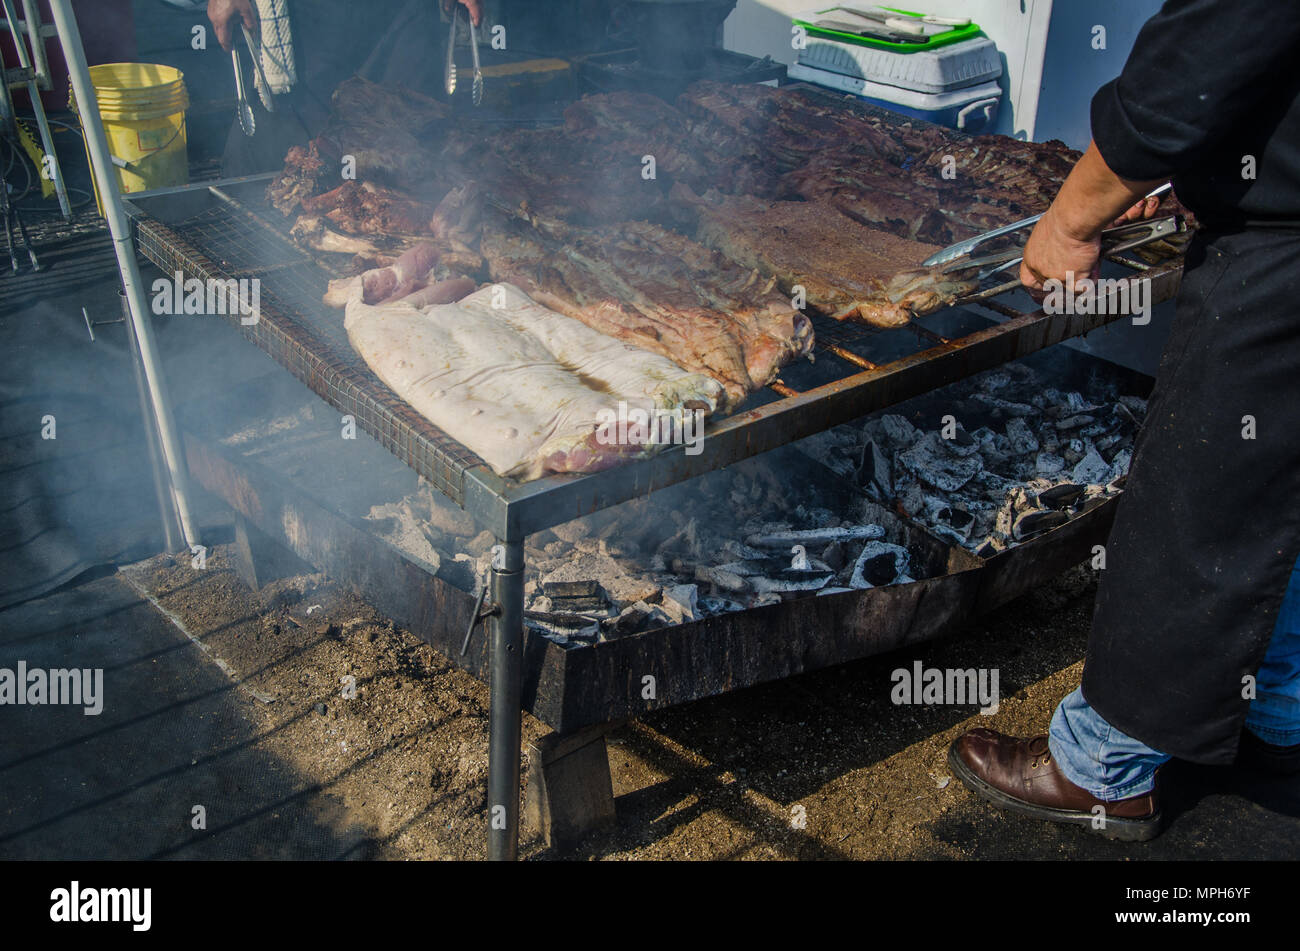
(143,111)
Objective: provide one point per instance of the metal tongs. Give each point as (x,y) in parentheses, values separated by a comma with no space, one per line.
(247,122)
(965,248)
(477,93)
(1123,237)
(255,51)
(449,76)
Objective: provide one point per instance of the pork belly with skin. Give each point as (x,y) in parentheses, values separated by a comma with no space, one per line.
(414,275)
(529,390)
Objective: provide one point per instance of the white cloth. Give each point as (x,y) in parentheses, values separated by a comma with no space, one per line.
(275,49)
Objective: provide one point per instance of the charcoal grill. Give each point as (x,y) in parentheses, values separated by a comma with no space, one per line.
(226,231)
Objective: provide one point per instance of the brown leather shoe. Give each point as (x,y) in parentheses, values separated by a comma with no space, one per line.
(1022,776)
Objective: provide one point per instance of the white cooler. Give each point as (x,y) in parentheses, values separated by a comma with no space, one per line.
(954,85)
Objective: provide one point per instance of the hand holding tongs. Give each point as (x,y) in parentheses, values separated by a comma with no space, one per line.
(965,248)
(449,76)
(1120,238)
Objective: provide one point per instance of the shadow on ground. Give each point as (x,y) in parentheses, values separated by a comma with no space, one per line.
(175,733)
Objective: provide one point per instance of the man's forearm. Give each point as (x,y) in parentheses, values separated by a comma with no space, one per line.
(1065,244)
(1093,196)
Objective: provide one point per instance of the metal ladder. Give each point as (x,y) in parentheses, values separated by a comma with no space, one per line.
(33,74)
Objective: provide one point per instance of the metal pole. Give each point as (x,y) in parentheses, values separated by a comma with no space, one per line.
(47,138)
(504,718)
(8,115)
(120,228)
(32,20)
(162,491)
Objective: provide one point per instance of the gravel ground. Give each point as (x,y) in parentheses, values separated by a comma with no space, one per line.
(819,766)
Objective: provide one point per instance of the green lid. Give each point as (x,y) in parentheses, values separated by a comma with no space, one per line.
(954,35)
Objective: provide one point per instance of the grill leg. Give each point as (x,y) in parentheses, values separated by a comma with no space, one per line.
(507,639)
(570,794)
(260,559)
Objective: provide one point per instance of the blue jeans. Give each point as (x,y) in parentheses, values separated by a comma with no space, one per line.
(1112,765)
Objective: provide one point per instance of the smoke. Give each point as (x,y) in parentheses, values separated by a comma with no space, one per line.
(78,483)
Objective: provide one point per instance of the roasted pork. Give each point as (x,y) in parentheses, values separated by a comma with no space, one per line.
(527,389)
(654,288)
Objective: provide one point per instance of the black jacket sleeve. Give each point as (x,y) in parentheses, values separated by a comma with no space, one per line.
(1195,70)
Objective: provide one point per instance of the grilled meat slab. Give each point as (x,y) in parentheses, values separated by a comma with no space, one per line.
(798,189)
(367,208)
(845,269)
(920,202)
(779,129)
(386,131)
(915,181)
(643,284)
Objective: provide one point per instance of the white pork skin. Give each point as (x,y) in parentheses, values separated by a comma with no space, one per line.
(525,388)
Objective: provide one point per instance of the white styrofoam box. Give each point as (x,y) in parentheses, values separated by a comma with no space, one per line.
(954,66)
(972,109)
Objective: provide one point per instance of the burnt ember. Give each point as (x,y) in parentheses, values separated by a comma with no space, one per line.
(761,532)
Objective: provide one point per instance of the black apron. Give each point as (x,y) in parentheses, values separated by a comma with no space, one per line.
(1208,528)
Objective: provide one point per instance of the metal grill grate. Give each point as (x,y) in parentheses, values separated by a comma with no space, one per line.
(226,242)
(232,239)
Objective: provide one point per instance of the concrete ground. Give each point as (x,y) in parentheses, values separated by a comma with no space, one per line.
(175,733)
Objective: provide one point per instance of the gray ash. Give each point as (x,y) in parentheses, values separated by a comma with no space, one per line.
(833,513)
(762,531)
(1017,458)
